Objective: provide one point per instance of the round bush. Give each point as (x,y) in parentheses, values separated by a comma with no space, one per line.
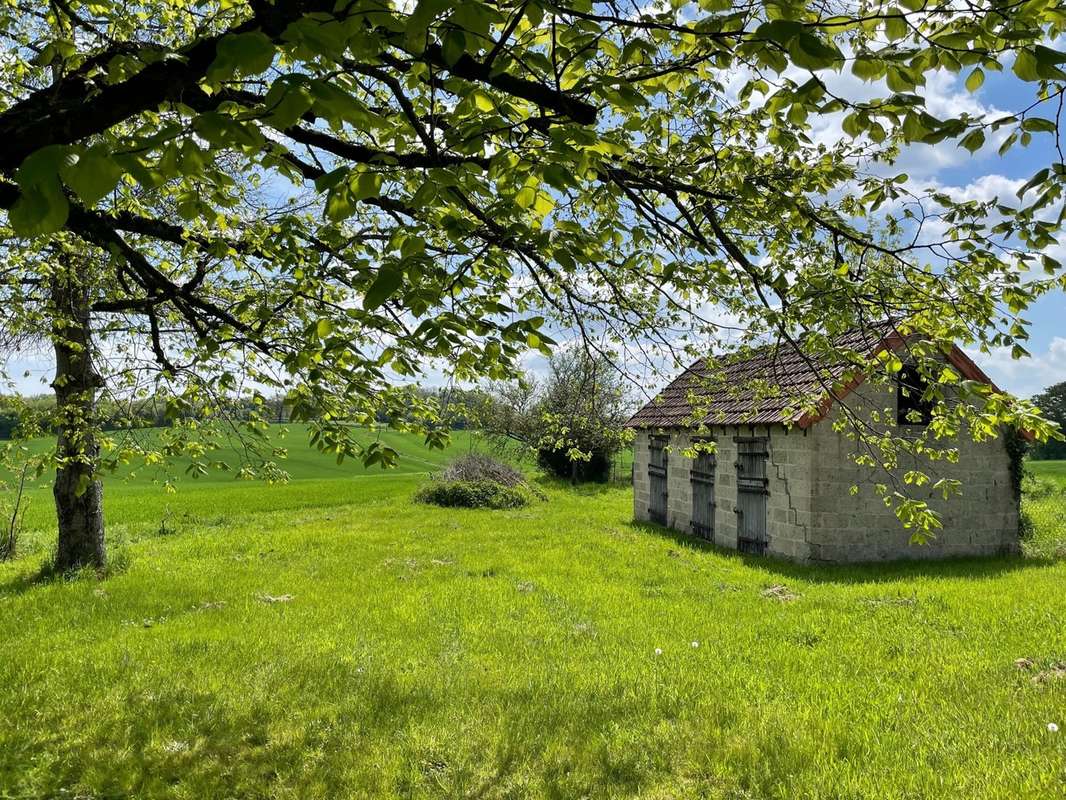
(473,494)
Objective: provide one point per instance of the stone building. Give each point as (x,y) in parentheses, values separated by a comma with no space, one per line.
(780,481)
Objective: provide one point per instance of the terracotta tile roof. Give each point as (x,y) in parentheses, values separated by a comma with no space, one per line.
(773,384)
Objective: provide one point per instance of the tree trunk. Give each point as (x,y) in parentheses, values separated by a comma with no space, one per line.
(79,495)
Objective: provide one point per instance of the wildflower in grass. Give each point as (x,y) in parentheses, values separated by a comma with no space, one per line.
(658,651)
(695,645)
(1052,727)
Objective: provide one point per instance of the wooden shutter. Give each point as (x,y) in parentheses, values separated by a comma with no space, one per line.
(752,493)
(657,469)
(702,479)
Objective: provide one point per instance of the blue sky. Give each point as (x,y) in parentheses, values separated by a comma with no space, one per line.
(986,173)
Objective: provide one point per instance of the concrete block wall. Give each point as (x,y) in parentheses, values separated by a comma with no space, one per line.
(983,520)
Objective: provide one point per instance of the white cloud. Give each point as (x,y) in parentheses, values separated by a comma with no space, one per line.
(1026,376)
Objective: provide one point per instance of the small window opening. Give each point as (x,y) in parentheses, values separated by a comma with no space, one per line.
(911,409)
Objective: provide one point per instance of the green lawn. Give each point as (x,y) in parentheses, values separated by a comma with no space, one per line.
(1048,510)
(330,638)
(1052,470)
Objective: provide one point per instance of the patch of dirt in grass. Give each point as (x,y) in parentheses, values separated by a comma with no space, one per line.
(1055,670)
(272,598)
(584,628)
(878,602)
(780,592)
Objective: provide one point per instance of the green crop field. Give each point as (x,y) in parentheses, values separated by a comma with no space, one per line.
(329,638)
(136,500)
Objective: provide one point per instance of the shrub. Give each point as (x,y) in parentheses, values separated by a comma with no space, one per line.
(473,494)
(477,467)
(478,481)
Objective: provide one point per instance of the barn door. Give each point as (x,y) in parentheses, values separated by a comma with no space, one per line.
(752,491)
(702,479)
(657,463)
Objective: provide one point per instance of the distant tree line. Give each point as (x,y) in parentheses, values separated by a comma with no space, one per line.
(16,412)
(1052,403)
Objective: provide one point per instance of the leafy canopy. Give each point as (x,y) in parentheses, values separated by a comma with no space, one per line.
(327,195)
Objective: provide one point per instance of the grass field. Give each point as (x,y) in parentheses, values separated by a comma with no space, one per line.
(1047,510)
(1051,470)
(136,502)
(329,638)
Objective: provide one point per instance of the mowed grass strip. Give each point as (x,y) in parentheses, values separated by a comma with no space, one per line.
(379,648)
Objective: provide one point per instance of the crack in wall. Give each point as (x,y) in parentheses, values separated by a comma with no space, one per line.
(782,472)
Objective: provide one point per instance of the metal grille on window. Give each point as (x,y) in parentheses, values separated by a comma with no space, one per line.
(752,492)
(701,477)
(657,464)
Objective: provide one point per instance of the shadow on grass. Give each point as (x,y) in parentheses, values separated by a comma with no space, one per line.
(864,572)
(587,489)
(46,574)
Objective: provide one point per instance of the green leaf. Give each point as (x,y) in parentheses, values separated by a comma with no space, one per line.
(475,17)
(384,286)
(454,46)
(368,184)
(543,205)
(286,102)
(322,38)
(974,140)
(779,31)
(42,207)
(810,52)
(1047,63)
(421,18)
(324,328)
(1036,180)
(1025,66)
(1038,125)
(224,131)
(40,210)
(896,26)
(339,202)
(914,128)
(246,53)
(867,68)
(483,101)
(975,79)
(852,125)
(43,165)
(93,176)
(526,197)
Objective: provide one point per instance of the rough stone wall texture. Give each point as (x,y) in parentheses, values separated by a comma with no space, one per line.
(812,515)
